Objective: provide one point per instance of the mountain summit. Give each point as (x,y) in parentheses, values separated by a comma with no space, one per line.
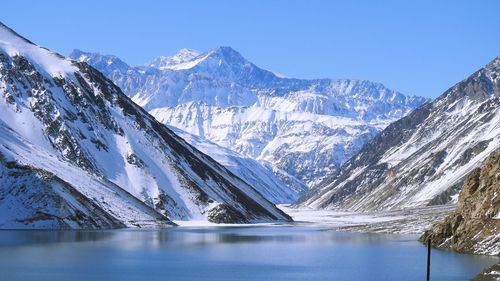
(306,128)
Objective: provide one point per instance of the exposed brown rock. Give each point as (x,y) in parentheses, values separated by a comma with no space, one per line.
(225,214)
(475,226)
(490,274)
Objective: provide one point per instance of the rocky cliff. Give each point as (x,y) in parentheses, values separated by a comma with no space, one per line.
(475,226)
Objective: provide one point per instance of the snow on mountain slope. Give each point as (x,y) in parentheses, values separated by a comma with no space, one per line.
(39,190)
(307,128)
(423,158)
(277,189)
(64,119)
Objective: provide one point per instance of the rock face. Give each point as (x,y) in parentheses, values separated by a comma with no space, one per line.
(95,158)
(475,226)
(490,274)
(306,128)
(423,158)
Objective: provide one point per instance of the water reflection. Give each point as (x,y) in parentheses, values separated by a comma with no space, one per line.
(10,238)
(247,253)
(212,235)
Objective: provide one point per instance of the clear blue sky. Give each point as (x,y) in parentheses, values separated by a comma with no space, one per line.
(416,47)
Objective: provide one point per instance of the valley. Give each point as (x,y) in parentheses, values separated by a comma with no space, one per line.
(203,165)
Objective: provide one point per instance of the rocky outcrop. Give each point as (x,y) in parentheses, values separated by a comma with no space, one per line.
(475,225)
(490,274)
(225,214)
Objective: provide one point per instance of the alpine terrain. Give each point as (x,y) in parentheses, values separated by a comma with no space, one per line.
(75,152)
(306,128)
(424,158)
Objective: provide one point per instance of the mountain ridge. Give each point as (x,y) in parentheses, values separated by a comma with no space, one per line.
(423,158)
(306,128)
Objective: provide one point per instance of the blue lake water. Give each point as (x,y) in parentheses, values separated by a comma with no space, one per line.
(225,253)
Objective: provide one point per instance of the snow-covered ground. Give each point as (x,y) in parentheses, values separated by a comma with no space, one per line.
(408,221)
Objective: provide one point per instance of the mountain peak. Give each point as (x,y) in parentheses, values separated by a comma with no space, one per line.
(187,54)
(225,50)
(186,59)
(13,44)
(5,28)
(227,53)
(78,54)
(182,56)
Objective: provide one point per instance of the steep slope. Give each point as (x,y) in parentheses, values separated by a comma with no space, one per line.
(475,226)
(307,128)
(423,158)
(33,197)
(81,127)
(277,189)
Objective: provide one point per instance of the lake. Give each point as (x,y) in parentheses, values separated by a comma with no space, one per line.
(225,253)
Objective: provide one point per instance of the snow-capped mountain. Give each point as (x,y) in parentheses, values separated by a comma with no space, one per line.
(274,184)
(423,158)
(306,128)
(75,152)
